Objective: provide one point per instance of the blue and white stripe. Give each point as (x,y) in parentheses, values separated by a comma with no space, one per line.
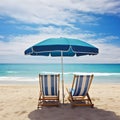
(81,85)
(49,84)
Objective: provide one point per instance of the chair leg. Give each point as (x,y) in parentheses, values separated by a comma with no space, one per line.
(92,105)
(81,102)
(38,104)
(39,100)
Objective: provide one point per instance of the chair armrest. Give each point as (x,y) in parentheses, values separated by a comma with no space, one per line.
(69,91)
(70,94)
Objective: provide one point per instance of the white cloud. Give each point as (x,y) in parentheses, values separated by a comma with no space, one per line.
(13,51)
(106,39)
(99,6)
(60,12)
(1,37)
(108,53)
(34,12)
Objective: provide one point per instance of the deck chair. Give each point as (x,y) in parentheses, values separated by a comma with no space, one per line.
(49,90)
(78,94)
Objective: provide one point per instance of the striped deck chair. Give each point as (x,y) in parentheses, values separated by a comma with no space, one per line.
(49,90)
(78,95)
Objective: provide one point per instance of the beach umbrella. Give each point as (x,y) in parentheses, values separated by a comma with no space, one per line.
(59,47)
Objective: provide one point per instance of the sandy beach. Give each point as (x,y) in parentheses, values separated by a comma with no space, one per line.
(19,102)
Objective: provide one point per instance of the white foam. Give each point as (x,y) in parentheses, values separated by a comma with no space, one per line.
(49,72)
(98,74)
(11,71)
(83,73)
(18,79)
(14,78)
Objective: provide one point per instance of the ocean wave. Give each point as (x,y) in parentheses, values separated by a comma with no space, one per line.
(18,79)
(83,73)
(11,72)
(98,74)
(66,75)
(45,72)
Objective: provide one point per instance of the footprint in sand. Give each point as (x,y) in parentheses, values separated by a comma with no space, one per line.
(20,113)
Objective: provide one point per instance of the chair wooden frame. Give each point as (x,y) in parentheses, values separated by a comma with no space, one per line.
(80,100)
(48,100)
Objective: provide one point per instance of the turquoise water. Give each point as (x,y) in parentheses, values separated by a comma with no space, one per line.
(26,73)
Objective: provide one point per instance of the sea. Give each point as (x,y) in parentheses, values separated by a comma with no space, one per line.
(29,73)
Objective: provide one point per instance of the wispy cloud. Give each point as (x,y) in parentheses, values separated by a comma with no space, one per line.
(106,39)
(60,12)
(14,50)
(1,37)
(55,18)
(98,6)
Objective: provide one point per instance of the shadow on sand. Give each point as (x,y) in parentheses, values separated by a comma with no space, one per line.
(65,112)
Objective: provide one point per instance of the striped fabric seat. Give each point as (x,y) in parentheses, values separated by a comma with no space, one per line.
(49,90)
(78,95)
(81,85)
(49,84)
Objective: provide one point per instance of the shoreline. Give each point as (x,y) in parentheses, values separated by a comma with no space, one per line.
(37,82)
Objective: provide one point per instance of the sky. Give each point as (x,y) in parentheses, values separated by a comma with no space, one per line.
(24,23)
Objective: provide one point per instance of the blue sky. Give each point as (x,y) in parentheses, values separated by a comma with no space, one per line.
(26,22)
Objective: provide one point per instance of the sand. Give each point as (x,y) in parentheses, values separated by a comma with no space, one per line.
(19,102)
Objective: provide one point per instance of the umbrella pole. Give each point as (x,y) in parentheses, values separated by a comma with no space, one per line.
(62,77)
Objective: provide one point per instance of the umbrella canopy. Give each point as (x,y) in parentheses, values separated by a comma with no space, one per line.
(68,47)
(61,47)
